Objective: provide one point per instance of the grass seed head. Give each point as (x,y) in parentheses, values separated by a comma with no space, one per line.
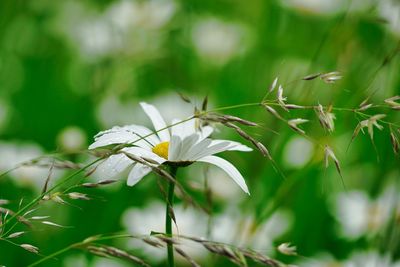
(294,125)
(77,195)
(16,234)
(30,248)
(331,77)
(311,77)
(392,102)
(287,249)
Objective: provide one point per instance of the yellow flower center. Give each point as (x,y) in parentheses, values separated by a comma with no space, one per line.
(161,149)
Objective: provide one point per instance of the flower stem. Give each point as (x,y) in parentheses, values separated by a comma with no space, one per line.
(168,219)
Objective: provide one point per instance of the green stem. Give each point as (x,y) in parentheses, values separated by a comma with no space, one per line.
(168,219)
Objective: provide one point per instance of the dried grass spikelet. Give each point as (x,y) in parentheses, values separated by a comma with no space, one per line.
(311,76)
(55,224)
(364,105)
(77,195)
(4,202)
(392,102)
(56,197)
(184,97)
(53,163)
(191,261)
(43,220)
(100,183)
(260,147)
(271,88)
(331,77)
(229,121)
(158,170)
(294,124)
(273,85)
(287,249)
(272,111)
(293,106)
(16,234)
(109,251)
(220,118)
(394,141)
(329,154)
(20,219)
(235,254)
(281,99)
(326,118)
(152,242)
(369,124)
(30,248)
(232,253)
(229,118)
(39,218)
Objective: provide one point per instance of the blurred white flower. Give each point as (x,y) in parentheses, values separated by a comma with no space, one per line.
(152,14)
(12,154)
(130,26)
(370,258)
(72,138)
(298,152)
(221,185)
(182,144)
(141,221)
(112,111)
(359,215)
(96,38)
(234,227)
(217,42)
(390,11)
(231,226)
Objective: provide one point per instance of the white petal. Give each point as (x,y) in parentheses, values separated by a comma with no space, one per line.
(118,138)
(206,131)
(233,146)
(197,148)
(187,145)
(183,129)
(177,128)
(218,146)
(130,134)
(143,153)
(228,168)
(174,149)
(142,131)
(157,121)
(211,149)
(137,173)
(113,165)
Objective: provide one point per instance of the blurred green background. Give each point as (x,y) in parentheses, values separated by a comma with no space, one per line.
(69,69)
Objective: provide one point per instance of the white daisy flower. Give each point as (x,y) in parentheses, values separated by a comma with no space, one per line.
(179,145)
